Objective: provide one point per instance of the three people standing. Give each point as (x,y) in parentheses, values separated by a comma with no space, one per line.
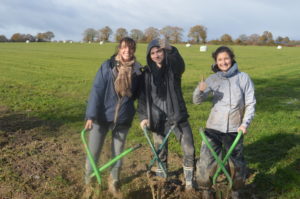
(161,105)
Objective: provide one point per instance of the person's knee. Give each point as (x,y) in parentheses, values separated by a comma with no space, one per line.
(189,160)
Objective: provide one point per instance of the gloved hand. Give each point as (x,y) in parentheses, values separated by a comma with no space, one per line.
(164,43)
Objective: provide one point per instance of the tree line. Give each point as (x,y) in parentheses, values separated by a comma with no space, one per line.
(173,33)
(197,34)
(18,37)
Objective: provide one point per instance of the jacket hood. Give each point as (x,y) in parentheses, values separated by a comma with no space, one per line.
(231,72)
(153,43)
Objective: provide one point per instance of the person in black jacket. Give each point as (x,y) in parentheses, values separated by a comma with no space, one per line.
(161,103)
(111,107)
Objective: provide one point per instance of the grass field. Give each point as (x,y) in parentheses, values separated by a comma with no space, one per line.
(43,92)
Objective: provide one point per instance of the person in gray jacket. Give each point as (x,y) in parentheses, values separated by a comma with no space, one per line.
(233,110)
(111,107)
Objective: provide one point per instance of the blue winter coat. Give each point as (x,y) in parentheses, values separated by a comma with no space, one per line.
(103,98)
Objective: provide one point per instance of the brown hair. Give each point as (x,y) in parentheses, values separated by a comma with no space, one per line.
(128,42)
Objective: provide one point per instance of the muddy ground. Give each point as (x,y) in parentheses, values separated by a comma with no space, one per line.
(45,159)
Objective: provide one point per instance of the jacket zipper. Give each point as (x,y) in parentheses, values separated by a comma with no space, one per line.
(229,104)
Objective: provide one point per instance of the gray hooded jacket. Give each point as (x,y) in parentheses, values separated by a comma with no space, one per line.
(233,100)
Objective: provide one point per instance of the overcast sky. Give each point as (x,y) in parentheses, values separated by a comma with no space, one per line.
(69,18)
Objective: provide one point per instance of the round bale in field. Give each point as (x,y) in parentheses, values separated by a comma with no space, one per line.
(188,45)
(101,42)
(27,41)
(279,47)
(203,48)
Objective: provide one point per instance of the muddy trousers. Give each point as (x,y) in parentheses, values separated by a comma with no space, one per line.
(96,140)
(207,165)
(184,135)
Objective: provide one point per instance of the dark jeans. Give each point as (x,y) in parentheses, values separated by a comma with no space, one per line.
(207,165)
(184,135)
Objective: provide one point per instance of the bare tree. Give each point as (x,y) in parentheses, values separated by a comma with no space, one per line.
(105,33)
(166,32)
(46,36)
(3,38)
(49,35)
(266,38)
(89,34)
(120,33)
(198,33)
(226,39)
(242,39)
(137,35)
(17,37)
(172,33)
(150,34)
(176,36)
(253,39)
(29,37)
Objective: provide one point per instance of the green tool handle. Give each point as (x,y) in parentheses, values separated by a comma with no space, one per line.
(162,145)
(115,159)
(236,140)
(90,157)
(154,152)
(221,163)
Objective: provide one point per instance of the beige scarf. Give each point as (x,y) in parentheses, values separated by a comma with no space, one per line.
(123,80)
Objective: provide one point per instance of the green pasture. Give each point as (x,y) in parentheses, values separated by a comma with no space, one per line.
(52,81)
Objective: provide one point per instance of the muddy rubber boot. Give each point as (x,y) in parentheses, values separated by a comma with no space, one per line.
(206,194)
(114,188)
(188,176)
(159,173)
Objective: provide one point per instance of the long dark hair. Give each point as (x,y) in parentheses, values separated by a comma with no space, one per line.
(219,50)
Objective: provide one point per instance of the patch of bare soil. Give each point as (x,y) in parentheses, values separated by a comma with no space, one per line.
(41,159)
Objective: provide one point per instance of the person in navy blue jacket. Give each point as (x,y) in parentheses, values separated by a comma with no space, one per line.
(111,107)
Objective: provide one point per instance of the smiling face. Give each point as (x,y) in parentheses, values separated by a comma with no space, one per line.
(223,61)
(126,52)
(157,55)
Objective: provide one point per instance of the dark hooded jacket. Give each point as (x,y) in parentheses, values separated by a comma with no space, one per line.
(169,78)
(103,98)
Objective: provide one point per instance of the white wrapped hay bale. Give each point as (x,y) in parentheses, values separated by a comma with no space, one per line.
(203,48)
